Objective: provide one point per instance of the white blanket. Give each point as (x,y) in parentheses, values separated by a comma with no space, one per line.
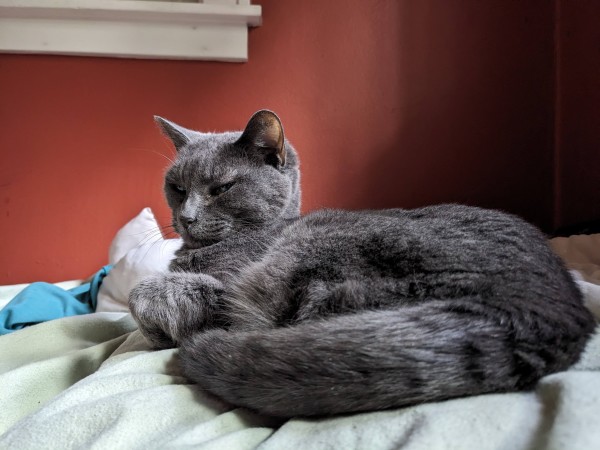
(90,382)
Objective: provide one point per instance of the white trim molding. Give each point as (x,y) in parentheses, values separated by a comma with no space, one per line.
(212,30)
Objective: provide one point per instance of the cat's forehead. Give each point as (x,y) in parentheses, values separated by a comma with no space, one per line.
(207,143)
(208,158)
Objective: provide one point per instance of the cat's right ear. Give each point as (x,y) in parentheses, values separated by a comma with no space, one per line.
(179,135)
(264,131)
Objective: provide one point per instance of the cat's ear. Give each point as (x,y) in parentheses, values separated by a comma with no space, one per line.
(264,131)
(179,135)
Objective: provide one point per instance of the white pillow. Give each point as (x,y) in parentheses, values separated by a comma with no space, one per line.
(139,230)
(142,256)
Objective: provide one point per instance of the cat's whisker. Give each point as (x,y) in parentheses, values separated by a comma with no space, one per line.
(155,152)
(151,246)
(152,236)
(148,236)
(167,228)
(171,234)
(145,232)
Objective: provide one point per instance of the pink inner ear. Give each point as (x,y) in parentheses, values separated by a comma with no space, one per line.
(272,137)
(265,130)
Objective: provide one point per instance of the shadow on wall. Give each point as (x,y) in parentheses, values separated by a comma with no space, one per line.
(474,119)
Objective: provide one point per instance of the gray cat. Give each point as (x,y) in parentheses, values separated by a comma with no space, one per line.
(338,311)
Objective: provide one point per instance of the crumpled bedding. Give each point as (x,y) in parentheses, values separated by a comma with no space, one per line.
(91,382)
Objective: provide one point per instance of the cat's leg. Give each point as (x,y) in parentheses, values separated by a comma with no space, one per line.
(320,298)
(170,307)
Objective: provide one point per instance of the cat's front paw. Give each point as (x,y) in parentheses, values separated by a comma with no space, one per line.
(171,307)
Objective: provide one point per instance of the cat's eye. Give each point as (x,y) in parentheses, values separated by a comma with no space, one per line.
(221,189)
(178,188)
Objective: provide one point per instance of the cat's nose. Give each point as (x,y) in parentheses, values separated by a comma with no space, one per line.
(188,220)
(190,210)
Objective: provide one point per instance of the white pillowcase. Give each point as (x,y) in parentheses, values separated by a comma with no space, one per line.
(139,230)
(138,250)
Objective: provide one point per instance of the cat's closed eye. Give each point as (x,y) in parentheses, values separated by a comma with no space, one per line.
(177,188)
(218,190)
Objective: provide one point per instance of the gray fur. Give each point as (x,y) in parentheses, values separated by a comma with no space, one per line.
(340,311)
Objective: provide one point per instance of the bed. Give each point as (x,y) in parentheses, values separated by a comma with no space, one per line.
(91,381)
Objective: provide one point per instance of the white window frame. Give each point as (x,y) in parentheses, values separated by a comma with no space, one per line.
(213,30)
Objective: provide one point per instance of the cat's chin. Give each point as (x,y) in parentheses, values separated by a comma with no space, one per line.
(195,243)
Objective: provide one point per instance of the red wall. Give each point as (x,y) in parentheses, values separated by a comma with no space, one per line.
(389,103)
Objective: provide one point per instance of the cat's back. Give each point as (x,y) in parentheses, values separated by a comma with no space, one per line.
(437,241)
(445,225)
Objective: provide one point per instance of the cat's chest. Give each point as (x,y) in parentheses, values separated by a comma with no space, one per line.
(229,256)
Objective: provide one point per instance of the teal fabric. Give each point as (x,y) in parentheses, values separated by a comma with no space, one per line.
(40,302)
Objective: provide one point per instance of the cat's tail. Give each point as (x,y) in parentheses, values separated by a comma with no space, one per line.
(379,359)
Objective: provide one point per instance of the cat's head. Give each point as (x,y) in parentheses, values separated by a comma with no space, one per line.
(226,183)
